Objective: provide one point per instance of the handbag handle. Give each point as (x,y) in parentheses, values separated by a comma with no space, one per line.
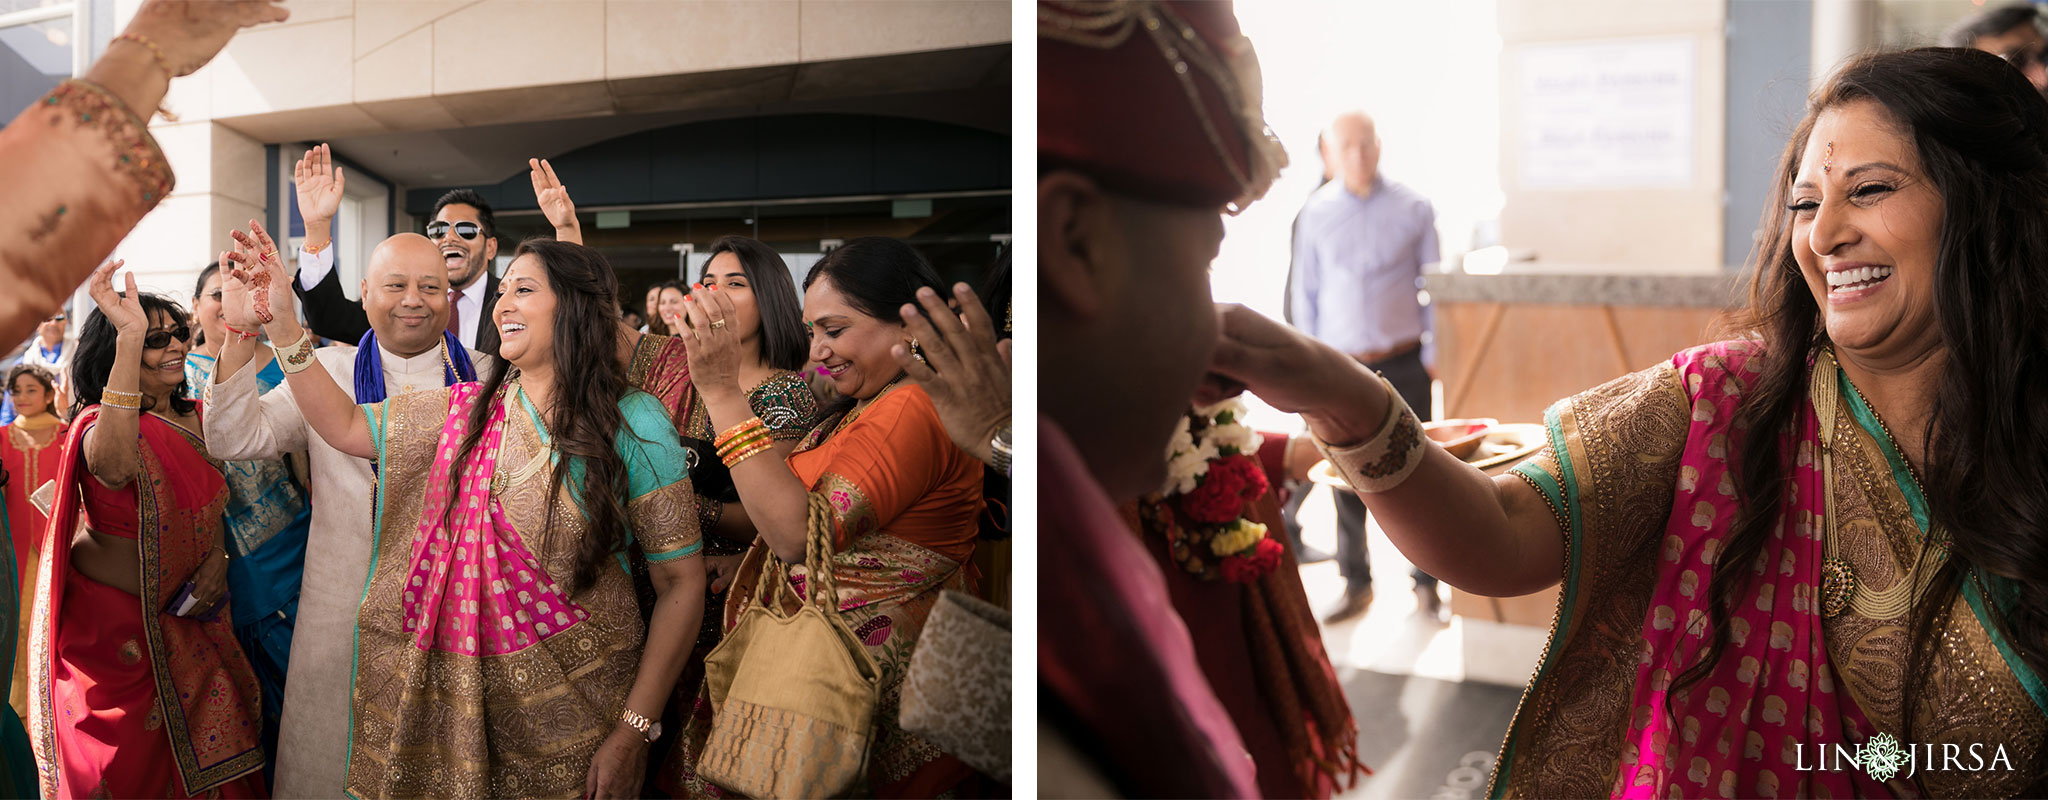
(818,555)
(824,591)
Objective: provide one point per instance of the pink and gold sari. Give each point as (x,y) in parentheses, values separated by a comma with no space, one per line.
(477,674)
(131,700)
(1639,474)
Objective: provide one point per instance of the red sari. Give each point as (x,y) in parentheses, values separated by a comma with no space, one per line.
(94,719)
(28,465)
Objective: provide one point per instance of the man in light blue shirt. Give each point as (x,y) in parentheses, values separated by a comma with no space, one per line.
(1360,246)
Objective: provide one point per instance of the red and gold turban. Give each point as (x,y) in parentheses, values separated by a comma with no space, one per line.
(1159,100)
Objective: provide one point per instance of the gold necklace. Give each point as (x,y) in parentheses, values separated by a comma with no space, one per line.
(862,406)
(1840,588)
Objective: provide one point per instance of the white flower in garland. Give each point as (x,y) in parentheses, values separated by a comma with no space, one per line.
(1228,430)
(1187,457)
(1186,462)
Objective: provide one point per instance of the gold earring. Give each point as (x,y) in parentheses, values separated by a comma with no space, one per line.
(917,352)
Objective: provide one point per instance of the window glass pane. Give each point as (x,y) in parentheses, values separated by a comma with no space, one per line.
(11,6)
(33,59)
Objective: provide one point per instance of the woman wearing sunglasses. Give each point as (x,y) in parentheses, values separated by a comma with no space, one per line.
(137,602)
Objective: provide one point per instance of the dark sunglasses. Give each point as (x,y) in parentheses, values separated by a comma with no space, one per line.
(160,338)
(466,230)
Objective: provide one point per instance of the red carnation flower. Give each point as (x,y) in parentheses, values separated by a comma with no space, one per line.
(1249,568)
(1232,481)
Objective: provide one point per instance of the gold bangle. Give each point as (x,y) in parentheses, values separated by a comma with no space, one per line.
(742,441)
(752,424)
(733,460)
(154,51)
(294,358)
(113,398)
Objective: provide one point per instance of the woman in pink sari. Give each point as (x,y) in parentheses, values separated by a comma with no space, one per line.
(500,650)
(140,687)
(1809,562)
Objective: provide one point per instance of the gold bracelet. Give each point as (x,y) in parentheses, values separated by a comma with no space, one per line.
(114,398)
(161,63)
(753,424)
(733,460)
(294,358)
(743,441)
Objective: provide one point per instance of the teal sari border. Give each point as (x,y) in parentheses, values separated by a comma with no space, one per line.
(1563,490)
(1980,604)
(355,660)
(1901,474)
(1975,584)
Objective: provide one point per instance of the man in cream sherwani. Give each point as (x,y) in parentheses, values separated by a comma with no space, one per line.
(405,293)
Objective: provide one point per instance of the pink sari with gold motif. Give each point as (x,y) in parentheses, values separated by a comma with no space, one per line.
(1639,474)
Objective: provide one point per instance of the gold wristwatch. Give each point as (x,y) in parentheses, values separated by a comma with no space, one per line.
(649,729)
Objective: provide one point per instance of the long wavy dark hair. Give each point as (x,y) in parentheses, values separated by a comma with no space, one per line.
(95,359)
(878,275)
(1980,131)
(783,342)
(584,420)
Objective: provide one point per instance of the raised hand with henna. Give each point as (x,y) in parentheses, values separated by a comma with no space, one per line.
(965,370)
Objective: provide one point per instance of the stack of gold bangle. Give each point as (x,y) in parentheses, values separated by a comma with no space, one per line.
(113,398)
(743,441)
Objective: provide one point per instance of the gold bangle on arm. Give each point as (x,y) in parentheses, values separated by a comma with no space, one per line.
(114,398)
(743,441)
(739,435)
(734,458)
(1389,457)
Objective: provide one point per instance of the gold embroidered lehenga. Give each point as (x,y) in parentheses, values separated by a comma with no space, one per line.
(475,675)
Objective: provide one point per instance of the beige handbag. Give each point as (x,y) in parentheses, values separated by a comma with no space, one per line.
(957,692)
(794,694)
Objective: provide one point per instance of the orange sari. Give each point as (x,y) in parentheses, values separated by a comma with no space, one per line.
(906,504)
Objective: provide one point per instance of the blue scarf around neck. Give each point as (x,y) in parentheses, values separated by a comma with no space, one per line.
(370,367)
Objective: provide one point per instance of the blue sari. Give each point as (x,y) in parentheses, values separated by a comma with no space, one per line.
(267,520)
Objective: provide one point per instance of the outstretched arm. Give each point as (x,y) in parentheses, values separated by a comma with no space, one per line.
(79,164)
(1489,536)
(326,407)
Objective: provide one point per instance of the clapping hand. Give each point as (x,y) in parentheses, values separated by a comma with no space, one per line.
(260,271)
(965,370)
(713,345)
(124,311)
(554,201)
(319,185)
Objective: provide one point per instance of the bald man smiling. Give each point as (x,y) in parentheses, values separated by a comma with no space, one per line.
(405,294)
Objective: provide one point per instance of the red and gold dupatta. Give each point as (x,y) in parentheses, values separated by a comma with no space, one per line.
(212,728)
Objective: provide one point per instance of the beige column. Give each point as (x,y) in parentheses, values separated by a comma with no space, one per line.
(1841,29)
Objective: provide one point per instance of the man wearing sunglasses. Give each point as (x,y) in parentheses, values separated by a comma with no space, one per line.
(2011,32)
(462,228)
